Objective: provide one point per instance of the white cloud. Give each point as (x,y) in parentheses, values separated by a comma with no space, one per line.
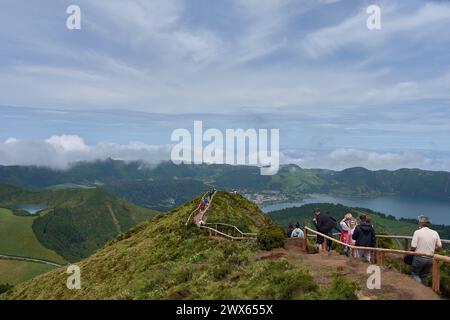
(67,143)
(343,158)
(60,151)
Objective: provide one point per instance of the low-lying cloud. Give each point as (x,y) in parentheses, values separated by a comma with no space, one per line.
(60,151)
(344,158)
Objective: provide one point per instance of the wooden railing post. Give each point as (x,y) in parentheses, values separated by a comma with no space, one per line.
(436,273)
(381,262)
(405,244)
(305,240)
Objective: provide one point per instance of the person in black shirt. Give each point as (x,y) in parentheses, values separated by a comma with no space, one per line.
(364,235)
(325,224)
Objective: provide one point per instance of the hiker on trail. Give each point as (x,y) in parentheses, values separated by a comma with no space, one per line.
(425,241)
(325,224)
(289,230)
(364,236)
(211,193)
(297,232)
(347,225)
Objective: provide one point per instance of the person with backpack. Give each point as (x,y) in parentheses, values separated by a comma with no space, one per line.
(325,224)
(364,236)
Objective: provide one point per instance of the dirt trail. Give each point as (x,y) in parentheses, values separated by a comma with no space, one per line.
(201,215)
(394,285)
(114,219)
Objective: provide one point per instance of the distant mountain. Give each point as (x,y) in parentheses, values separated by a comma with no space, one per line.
(166,185)
(77,221)
(161,195)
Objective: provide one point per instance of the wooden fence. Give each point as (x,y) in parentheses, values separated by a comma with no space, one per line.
(437,259)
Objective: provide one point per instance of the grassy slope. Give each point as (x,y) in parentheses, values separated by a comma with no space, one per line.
(248,218)
(78,222)
(18,238)
(15,272)
(163,259)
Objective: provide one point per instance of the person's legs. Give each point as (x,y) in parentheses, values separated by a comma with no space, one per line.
(369,256)
(330,243)
(421,266)
(319,241)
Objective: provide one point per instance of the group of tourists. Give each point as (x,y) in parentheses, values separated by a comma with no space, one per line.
(361,233)
(205,201)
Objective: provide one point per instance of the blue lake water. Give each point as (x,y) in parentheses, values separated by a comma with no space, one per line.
(399,207)
(31,208)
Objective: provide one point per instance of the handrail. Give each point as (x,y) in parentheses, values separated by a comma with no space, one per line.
(209,204)
(436,257)
(226,235)
(189,218)
(230,225)
(202,224)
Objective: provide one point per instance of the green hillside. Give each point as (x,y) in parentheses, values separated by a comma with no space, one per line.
(131,179)
(18,238)
(158,194)
(76,223)
(162,259)
(15,272)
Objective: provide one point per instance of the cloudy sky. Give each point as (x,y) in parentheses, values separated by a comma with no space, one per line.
(342,95)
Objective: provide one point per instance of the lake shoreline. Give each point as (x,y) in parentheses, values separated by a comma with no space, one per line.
(397,206)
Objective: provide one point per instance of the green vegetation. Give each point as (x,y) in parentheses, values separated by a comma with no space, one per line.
(160,194)
(5,287)
(271,237)
(164,259)
(78,222)
(15,272)
(18,238)
(76,229)
(236,210)
(131,180)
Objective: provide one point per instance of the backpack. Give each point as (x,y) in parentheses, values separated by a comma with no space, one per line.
(408,259)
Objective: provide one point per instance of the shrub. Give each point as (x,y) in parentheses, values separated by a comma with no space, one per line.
(281,281)
(445,280)
(5,287)
(271,237)
(342,289)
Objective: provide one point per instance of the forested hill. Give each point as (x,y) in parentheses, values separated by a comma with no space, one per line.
(75,222)
(121,178)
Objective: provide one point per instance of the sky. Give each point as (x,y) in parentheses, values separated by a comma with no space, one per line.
(341,94)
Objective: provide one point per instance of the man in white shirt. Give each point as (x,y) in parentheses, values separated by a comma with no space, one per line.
(297,232)
(424,241)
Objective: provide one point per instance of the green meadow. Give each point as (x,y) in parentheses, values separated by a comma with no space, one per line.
(19,239)
(15,272)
